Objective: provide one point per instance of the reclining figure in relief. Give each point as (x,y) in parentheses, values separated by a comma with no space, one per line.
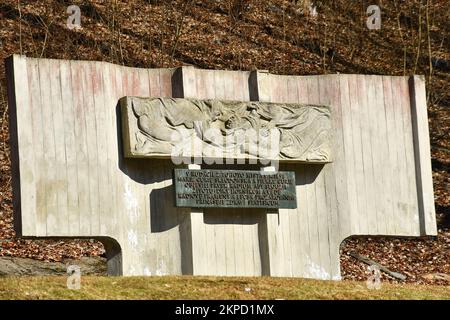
(282,131)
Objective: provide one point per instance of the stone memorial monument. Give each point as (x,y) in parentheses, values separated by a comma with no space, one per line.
(207,172)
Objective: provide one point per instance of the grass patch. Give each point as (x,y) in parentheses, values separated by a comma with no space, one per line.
(187,287)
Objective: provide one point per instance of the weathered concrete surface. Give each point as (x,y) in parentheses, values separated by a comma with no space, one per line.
(12,266)
(70,178)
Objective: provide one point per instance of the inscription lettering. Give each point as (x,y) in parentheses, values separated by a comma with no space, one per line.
(231,188)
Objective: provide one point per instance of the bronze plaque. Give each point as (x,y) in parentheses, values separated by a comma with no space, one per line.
(234,189)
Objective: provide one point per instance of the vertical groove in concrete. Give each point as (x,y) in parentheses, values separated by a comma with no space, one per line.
(422,155)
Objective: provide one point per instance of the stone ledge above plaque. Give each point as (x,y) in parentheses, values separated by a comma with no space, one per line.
(234,189)
(168,127)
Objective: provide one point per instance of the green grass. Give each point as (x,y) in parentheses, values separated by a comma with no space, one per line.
(187,287)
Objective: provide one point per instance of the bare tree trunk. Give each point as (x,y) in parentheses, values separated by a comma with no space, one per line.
(180,28)
(401,36)
(420,37)
(20,26)
(430,74)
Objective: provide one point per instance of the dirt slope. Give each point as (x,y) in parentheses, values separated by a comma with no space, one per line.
(279,36)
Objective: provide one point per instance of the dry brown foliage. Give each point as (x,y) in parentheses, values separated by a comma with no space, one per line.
(279,36)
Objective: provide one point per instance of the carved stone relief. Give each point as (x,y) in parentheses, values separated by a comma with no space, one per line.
(165,127)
